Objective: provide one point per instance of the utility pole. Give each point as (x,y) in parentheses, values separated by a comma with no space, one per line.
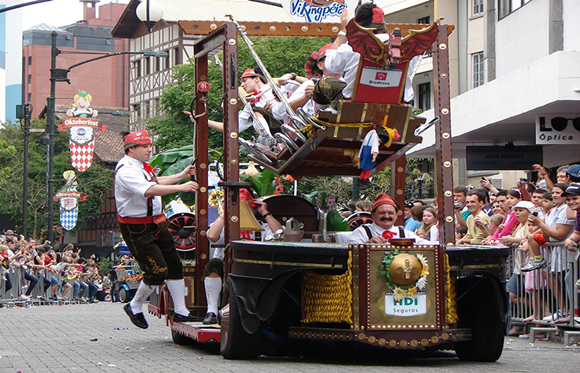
(50,109)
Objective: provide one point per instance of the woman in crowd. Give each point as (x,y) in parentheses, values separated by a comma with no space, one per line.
(512,197)
(430,225)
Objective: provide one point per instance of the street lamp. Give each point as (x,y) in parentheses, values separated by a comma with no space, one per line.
(149,12)
(61,75)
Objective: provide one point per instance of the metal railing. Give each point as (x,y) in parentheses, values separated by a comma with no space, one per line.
(545,297)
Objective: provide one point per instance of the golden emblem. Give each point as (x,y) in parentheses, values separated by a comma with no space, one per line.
(405,269)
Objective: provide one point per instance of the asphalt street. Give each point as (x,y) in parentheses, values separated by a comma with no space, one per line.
(100,337)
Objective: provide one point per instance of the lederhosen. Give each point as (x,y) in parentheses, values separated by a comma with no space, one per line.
(152,246)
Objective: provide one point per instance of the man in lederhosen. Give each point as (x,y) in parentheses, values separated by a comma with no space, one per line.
(143,225)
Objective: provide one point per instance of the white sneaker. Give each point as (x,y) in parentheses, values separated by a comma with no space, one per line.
(24,297)
(555,316)
(534,264)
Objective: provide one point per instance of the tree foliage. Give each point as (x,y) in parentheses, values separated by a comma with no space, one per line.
(93,183)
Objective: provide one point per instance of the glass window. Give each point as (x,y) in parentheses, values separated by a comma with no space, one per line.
(424,102)
(477,8)
(477,68)
(424,20)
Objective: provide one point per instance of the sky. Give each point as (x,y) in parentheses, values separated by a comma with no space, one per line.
(55,13)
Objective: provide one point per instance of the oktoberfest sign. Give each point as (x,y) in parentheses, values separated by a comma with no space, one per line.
(69,198)
(82,127)
(318,10)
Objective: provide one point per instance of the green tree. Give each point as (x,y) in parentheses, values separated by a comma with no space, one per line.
(93,183)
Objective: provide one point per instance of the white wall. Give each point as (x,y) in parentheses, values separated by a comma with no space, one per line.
(522,37)
(571,16)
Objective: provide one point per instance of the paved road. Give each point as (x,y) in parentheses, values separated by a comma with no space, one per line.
(99,337)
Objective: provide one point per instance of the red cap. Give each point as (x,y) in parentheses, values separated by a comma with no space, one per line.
(137,138)
(378,15)
(322,51)
(383,199)
(311,62)
(249,73)
(245,195)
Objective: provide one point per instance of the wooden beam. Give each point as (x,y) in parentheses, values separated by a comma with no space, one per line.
(287,29)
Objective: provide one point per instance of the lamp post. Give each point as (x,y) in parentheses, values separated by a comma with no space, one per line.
(61,75)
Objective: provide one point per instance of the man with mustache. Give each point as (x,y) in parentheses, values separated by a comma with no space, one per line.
(384,214)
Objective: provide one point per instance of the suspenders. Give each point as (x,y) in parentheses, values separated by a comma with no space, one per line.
(368,230)
(149,200)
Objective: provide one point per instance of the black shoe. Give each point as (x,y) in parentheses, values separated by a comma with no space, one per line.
(137,319)
(210,318)
(189,318)
(364,184)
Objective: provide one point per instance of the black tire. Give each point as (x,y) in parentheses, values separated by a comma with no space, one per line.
(235,342)
(180,339)
(479,309)
(126,296)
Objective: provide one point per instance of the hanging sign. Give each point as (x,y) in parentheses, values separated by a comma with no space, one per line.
(69,199)
(318,10)
(82,127)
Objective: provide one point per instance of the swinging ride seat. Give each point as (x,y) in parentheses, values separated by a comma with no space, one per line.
(377,101)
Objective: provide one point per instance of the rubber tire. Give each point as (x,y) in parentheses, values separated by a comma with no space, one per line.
(124,295)
(180,339)
(235,342)
(479,309)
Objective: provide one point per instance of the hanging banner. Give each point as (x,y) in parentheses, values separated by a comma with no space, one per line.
(318,10)
(69,199)
(82,127)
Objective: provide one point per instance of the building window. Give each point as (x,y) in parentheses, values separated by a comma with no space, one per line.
(30,60)
(147,61)
(424,101)
(29,78)
(137,111)
(137,68)
(29,97)
(477,68)
(508,6)
(424,20)
(477,8)
(176,60)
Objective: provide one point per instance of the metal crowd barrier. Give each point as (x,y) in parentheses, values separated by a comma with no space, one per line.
(546,298)
(19,286)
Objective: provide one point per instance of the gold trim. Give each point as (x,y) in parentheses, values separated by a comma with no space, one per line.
(364,113)
(476,266)
(265,262)
(404,135)
(355,288)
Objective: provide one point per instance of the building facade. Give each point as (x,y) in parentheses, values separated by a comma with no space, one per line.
(105,80)
(516,71)
(10,61)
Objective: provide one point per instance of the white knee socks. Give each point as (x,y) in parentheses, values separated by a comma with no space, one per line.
(213,287)
(141,295)
(177,291)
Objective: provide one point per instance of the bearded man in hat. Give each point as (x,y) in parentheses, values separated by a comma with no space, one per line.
(214,271)
(143,225)
(384,214)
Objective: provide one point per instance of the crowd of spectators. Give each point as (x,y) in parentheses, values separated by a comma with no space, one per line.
(35,273)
